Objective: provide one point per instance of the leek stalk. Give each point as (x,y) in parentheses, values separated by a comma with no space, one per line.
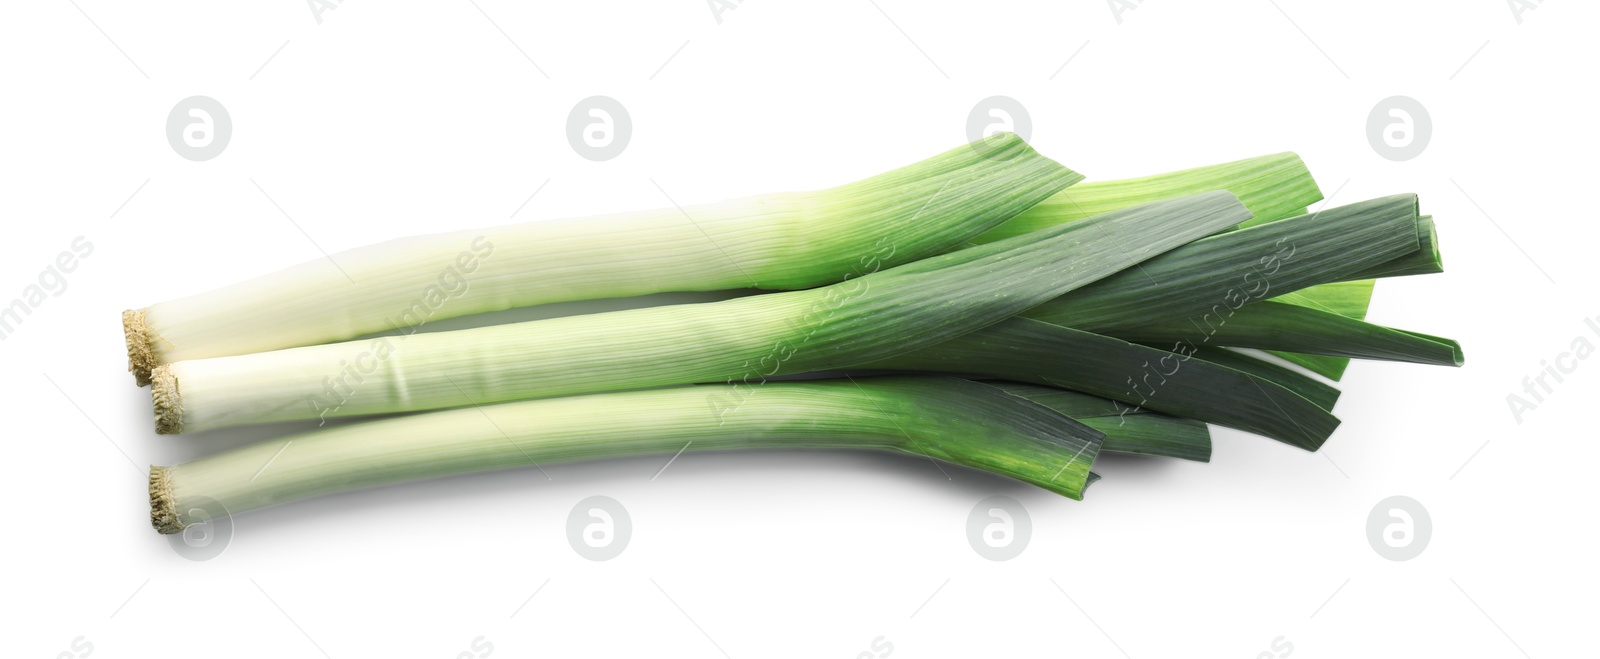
(946,419)
(780,241)
(864,319)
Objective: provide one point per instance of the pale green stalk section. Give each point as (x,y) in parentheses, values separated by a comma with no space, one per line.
(868,318)
(946,419)
(779,241)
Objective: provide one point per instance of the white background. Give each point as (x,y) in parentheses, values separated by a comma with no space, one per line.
(389,119)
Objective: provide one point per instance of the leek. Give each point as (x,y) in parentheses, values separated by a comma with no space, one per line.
(780,241)
(746,339)
(1104,317)
(946,419)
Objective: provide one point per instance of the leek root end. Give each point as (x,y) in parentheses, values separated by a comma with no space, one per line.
(141,359)
(166,400)
(163,505)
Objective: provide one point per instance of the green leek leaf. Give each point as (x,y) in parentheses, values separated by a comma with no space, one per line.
(1177,383)
(1139,432)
